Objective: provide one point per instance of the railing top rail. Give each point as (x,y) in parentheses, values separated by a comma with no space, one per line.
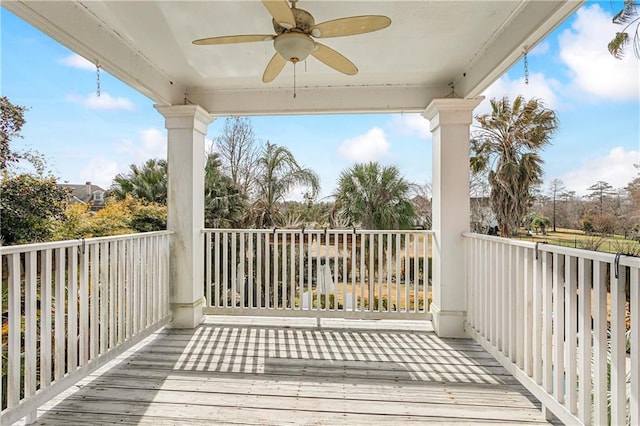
(501,240)
(590,254)
(320,231)
(567,251)
(70,243)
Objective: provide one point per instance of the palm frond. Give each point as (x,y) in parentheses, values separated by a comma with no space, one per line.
(627,16)
(627,13)
(618,44)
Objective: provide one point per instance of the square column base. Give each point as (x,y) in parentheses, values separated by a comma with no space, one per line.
(448,323)
(187,315)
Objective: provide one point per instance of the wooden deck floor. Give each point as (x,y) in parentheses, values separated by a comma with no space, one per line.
(288,371)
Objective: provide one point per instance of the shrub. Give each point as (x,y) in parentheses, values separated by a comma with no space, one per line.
(30,205)
(149,217)
(117,217)
(591,243)
(328,302)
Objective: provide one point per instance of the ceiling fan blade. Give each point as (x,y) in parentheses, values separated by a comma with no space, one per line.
(234,39)
(281,12)
(333,59)
(350,26)
(274,67)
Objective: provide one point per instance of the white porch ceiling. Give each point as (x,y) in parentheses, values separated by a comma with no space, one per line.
(429,45)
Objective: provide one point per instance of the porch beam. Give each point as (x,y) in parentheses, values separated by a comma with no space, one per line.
(186,129)
(313,100)
(450,120)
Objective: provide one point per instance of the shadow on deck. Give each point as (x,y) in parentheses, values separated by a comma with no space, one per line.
(288,371)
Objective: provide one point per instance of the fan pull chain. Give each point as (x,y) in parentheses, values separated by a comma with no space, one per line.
(294,80)
(98,79)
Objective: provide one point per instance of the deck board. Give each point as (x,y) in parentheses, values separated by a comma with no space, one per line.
(235,372)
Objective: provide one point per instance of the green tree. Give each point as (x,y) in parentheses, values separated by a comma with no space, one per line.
(507,144)
(147,182)
(627,16)
(539,223)
(374,197)
(30,206)
(225,204)
(277,174)
(11,122)
(600,192)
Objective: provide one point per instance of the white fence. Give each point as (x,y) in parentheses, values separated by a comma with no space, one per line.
(68,307)
(344,273)
(565,322)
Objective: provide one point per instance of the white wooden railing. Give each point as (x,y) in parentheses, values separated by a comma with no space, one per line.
(565,322)
(70,306)
(339,273)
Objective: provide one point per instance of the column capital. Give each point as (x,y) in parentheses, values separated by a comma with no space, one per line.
(451,111)
(185,117)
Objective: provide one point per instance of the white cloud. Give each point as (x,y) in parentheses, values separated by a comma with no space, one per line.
(152,144)
(540,87)
(540,49)
(99,171)
(583,48)
(410,124)
(616,168)
(371,146)
(76,61)
(104,102)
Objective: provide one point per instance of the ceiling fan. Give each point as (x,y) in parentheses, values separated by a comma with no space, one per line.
(294,38)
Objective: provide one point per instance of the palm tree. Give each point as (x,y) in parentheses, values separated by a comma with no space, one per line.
(224,203)
(374,197)
(278,173)
(147,182)
(627,16)
(507,145)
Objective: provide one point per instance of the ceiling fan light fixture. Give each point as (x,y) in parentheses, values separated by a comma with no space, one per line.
(294,47)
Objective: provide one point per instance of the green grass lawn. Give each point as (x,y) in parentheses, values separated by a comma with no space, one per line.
(577,239)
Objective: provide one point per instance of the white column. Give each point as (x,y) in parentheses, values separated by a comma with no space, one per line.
(450,120)
(186,129)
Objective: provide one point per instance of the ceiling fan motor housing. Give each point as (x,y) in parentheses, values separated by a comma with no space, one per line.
(304,22)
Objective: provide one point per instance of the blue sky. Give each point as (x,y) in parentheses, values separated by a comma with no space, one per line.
(84,138)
